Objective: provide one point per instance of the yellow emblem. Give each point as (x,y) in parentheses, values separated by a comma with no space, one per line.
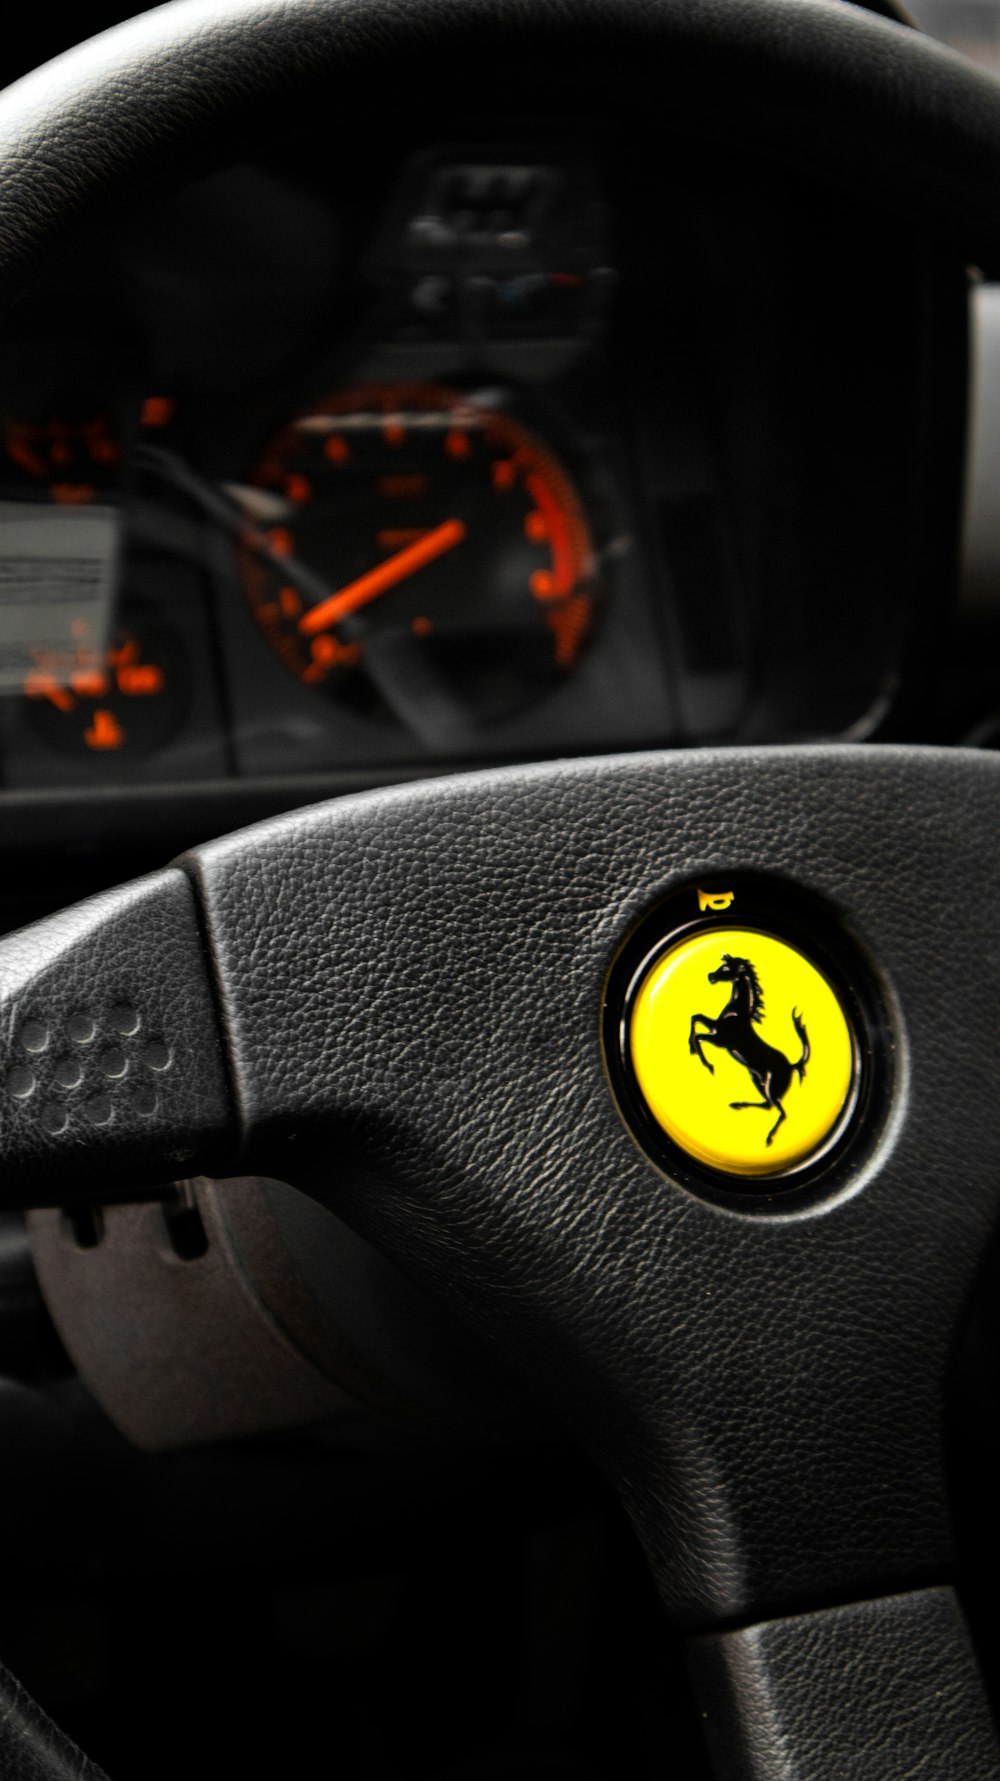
(742,1051)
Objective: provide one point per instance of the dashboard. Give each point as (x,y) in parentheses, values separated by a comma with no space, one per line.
(308,482)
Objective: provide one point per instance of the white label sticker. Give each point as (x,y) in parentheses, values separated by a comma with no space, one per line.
(58,576)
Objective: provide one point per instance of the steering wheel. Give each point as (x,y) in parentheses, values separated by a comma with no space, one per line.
(422,996)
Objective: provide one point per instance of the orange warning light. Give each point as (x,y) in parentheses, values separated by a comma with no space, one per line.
(39,685)
(124,653)
(298,488)
(329,652)
(336,449)
(105,732)
(140,680)
(73,494)
(157,411)
(457,443)
(21,451)
(89,683)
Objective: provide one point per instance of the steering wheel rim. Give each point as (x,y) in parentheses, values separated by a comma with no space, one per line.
(933,123)
(866,98)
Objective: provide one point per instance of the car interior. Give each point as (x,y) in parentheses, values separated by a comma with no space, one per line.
(412,1361)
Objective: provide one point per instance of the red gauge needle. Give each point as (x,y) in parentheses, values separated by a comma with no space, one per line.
(388,574)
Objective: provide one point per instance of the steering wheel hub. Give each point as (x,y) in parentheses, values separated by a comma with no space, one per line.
(747,1041)
(775,1043)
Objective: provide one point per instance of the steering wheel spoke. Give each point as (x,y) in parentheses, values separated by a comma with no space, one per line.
(112,1075)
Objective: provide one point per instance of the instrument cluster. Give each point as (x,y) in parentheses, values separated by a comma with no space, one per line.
(407,538)
(463,460)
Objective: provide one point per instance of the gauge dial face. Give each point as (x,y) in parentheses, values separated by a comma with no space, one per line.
(421,554)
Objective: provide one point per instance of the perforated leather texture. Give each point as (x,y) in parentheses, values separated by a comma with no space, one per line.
(112,1074)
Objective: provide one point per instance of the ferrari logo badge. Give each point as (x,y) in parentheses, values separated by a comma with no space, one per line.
(736,1030)
(742,1051)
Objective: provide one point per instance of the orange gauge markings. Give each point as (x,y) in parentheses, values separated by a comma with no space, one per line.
(25,455)
(73,494)
(157,411)
(563,568)
(66,456)
(89,683)
(105,732)
(378,581)
(431,516)
(141,680)
(124,653)
(38,685)
(124,699)
(328,652)
(569,623)
(333,653)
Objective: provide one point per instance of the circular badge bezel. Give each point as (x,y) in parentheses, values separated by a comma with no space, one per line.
(785,914)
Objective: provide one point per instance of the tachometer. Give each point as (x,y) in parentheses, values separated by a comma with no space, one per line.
(427,555)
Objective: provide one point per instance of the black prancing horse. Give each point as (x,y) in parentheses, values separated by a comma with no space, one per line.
(770,1070)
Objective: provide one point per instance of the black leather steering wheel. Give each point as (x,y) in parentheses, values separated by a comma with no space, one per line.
(403,993)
